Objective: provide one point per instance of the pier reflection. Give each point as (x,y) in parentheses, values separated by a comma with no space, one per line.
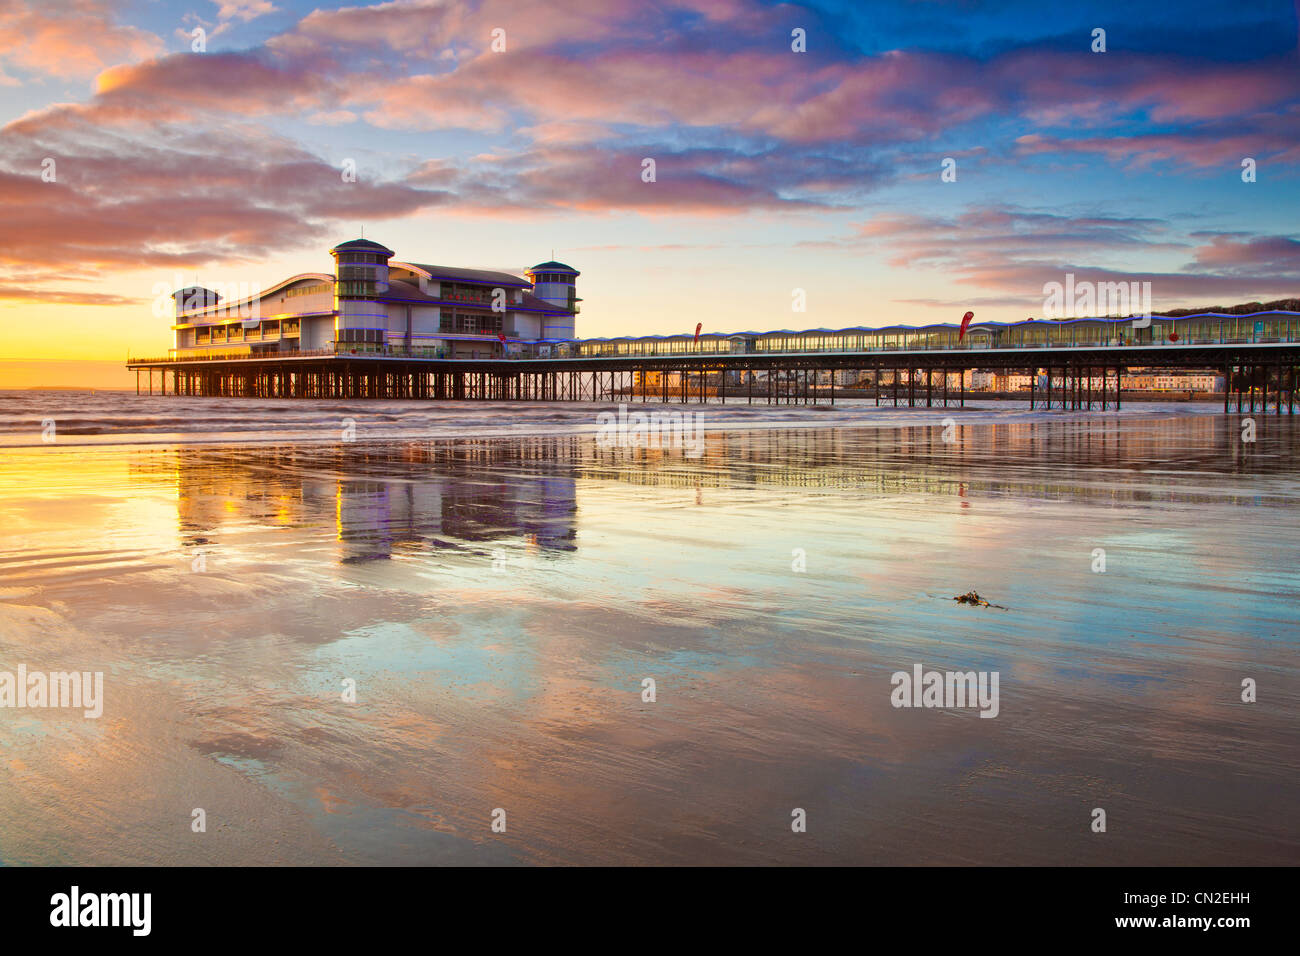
(384,499)
(1079,459)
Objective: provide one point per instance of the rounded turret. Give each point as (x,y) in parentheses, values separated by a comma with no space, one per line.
(361,277)
(556,284)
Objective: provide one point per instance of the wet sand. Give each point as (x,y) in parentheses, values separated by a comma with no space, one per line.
(499,601)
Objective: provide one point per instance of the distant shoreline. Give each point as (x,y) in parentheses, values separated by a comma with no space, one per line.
(63,388)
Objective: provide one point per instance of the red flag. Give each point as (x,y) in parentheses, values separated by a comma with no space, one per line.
(698,326)
(502,337)
(965,321)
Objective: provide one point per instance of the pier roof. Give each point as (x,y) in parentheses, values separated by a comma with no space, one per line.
(365,244)
(473,276)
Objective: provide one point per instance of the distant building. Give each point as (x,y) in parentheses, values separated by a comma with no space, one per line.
(1167,380)
(373,303)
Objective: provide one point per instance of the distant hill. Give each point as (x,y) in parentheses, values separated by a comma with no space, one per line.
(1281,305)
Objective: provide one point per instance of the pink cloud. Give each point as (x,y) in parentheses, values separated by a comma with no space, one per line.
(69,38)
(1011,252)
(1249,256)
(171,199)
(428,66)
(561,177)
(1196,149)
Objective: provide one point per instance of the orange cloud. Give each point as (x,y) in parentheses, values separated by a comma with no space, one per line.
(69,38)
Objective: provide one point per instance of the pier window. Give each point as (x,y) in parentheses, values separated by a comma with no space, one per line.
(358,336)
(357,289)
(460,292)
(307,290)
(470,323)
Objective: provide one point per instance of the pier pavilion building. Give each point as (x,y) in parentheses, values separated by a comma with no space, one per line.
(374,304)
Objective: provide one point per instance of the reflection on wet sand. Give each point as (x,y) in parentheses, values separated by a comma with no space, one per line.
(498,604)
(381,499)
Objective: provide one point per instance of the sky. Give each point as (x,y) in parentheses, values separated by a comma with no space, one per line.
(145,145)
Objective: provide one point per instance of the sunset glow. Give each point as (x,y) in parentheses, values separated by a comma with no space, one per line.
(777,169)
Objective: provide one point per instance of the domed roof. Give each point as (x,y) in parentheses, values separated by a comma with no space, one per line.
(365,244)
(554,266)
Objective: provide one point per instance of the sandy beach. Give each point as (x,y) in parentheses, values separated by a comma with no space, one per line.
(498,600)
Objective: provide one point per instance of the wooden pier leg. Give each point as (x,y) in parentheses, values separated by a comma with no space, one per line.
(1119,385)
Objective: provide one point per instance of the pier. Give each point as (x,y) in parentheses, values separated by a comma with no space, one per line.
(1258,375)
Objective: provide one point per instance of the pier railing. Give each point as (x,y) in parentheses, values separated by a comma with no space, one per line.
(532,352)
